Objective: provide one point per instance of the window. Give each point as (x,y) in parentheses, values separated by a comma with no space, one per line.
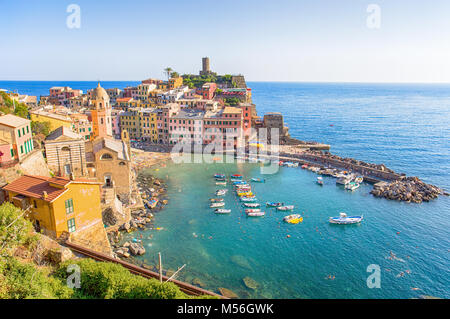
(71,225)
(23,130)
(12,152)
(106,156)
(21,149)
(69,206)
(18,131)
(35,204)
(28,130)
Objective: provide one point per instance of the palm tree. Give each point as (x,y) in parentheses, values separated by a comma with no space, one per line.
(168,71)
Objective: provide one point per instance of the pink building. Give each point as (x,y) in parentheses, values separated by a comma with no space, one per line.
(186,127)
(16,140)
(162,119)
(208,90)
(223,127)
(115,118)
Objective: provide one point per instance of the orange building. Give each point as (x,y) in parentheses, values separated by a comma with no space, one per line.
(101,113)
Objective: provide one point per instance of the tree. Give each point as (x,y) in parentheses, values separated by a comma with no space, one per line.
(40,128)
(168,71)
(14,228)
(175,74)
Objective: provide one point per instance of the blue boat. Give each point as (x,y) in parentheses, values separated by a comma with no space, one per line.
(343,219)
(258,180)
(219,176)
(236,176)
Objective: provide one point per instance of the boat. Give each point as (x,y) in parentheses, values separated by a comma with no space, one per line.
(293,219)
(359,179)
(248,199)
(252,205)
(239,182)
(221,183)
(304,166)
(272,204)
(219,176)
(320,181)
(215,205)
(344,219)
(352,186)
(246,194)
(285,208)
(236,176)
(221,192)
(258,180)
(256,214)
(215,200)
(254,210)
(222,211)
(343,180)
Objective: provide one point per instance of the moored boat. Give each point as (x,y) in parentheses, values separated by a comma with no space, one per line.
(216,200)
(343,180)
(219,176)
(352,186)
(245,194)
(222,211)
(285,208)
(248,199)
(254,210)
(320,181)
(216,205)
(258,180)
(272,204)
(293,219)
(221,183)
(256,214)
(221,192)
(344,219)
(252,205)
(236,176)
(359,179)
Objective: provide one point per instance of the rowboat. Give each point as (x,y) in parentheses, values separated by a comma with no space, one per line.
(215,200)
(221,192)
(246,194)
(219,176)
(293,219)
(248,199)
(252,205)
(256,214)
(343,219)
(221,183)
(255,210)
(222,211)
(352,186)
(239,182)
(320,181)
(258,180)
(272,204)
(285,208)
(215,205)
(236,176)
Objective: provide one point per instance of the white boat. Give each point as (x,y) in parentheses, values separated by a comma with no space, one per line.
(222,211)
(293,219)
(252,205)
(344,219)
(221,192)
(221,183)
(248,199)
(359,179)
(320,181)
(352,186)
(256,214)
(344,180)
(216,205)
(254,210)
(285,208)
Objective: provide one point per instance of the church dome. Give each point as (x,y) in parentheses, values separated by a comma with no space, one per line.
(99,94)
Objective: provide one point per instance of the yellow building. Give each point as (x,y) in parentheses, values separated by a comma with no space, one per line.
(148,125)
(57,204)
(130,122)
(175,82)
(55,120)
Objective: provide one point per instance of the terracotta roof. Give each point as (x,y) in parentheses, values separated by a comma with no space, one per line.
(34,186)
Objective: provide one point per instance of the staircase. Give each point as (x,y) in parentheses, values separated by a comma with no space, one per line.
(108,195)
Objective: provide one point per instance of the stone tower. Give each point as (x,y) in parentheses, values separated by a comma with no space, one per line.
(101,113)
(205,66)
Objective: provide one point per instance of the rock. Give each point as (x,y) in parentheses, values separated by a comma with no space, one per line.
(60,255)
(137,250)
(125,226)
(250,283)
(240,261)
(228,293)
(198,282)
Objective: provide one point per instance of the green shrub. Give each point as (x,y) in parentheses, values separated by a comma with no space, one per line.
(14,228)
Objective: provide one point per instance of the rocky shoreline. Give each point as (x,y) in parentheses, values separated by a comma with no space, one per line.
(153,192)
(408,189)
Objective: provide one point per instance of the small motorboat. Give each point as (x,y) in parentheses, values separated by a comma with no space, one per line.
(252,205)
(272,204)
(343,180)
(216,200)
(248,199)
(239,182)
(254,210)
(320,181)
(285,208)
(221,183)
(222,211)
(352,186)
(304,166)
(293,219)
(219,176)
(221,192)
(258,180)
(256,214)
(236,176)
(359,179)
(216,205)
(246,194)
(344,219)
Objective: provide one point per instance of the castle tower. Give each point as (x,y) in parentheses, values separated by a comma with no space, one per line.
(101,113)
(205,66)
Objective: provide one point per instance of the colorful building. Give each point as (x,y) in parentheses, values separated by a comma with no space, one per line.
(101,113)
(54,120)
(148,124)
(16,140)
(130,122)
(57,205)
(186,127)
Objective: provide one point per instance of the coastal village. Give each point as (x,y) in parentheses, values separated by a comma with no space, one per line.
(71,159)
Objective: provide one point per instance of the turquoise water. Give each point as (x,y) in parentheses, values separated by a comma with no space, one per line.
(221,250)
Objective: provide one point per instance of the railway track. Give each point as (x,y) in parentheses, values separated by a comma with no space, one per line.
(184,287)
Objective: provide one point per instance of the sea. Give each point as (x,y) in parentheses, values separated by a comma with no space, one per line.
(400,250)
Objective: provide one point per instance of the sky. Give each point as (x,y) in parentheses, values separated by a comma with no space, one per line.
(282,40)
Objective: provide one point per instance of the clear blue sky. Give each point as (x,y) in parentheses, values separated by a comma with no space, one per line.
(283,40)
